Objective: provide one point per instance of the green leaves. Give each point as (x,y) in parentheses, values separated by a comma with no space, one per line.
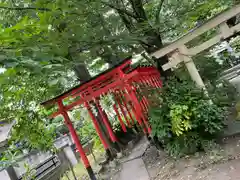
(184,118)
(41,40)
(45,30)
(20,94)
(31,128)
(180,116)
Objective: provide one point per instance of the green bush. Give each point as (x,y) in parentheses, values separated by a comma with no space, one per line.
(184,118)
(223,93)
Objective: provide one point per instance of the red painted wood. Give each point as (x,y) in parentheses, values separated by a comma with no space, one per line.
(74,135)
(96,125)
(140,111)
(115,85)
(126,106)
(137,108)
(119,118)
(118,84)
(117,79)
(122,110)
(106,122)
(103,77)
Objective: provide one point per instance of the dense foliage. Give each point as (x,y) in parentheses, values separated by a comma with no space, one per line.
(223,93)
(184,119)
(41,41)
(62,33)
(19,104)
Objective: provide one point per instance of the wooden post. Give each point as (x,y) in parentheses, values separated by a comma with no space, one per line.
(138,110)
(76,141)
(122,94)
(106,122)
(97,127)
(119,118)
(122,110)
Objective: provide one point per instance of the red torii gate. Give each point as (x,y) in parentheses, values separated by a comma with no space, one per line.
(122,82)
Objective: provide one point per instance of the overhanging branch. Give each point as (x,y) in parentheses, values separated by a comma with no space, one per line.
(24,8)
(122,10)
(158,11)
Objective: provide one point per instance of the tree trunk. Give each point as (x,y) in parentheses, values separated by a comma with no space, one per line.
(154,43)
(108,56)
(152,40)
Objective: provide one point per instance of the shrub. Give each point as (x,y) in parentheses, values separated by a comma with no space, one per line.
(223,93)
(184,118)
(208,67)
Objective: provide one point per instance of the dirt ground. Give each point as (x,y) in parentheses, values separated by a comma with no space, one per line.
(222,163)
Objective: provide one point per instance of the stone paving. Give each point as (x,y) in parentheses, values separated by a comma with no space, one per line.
(133,166)
(134,170)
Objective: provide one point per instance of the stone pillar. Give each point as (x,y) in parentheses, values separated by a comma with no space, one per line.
(12,173)
(70,155)
(188,61)
(8,174)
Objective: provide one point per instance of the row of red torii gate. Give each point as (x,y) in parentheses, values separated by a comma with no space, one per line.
(122,82)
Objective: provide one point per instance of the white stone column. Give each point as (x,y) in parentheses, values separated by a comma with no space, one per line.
(188,61)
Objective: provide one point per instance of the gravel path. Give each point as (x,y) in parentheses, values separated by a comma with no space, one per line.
(219,164)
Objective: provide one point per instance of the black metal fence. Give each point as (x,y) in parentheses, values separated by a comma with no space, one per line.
(44,168)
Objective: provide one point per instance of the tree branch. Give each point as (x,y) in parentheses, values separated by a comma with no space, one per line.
(24,8)
(159,8)
(121,10)
(138,10)
(39,9)
(126,21)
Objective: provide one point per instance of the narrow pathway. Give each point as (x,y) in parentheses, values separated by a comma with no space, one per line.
(134,170)
(133,166)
